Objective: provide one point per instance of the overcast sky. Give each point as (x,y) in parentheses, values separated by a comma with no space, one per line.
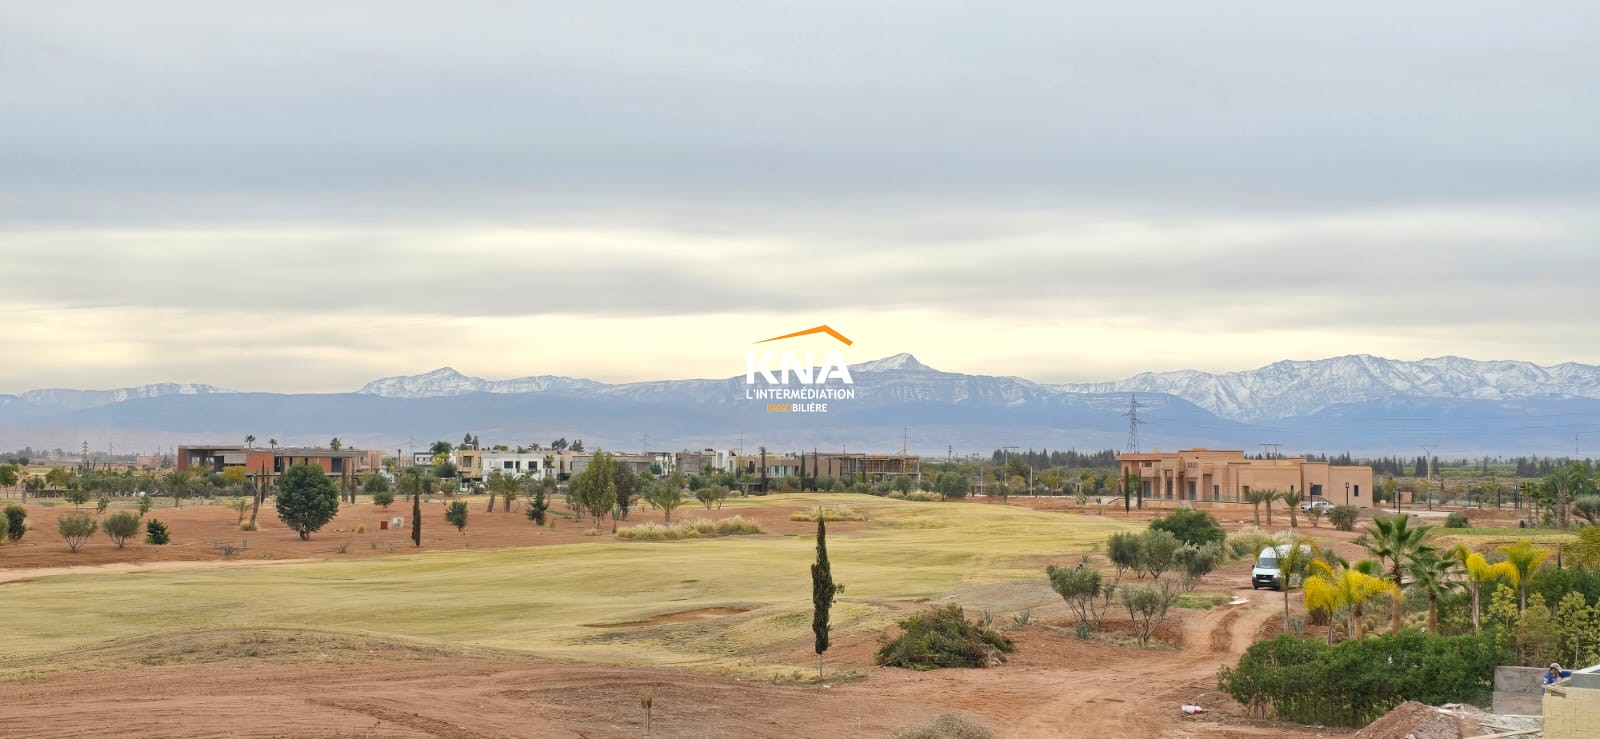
(305,196)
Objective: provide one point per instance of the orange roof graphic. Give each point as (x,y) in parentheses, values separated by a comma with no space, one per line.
(823,329)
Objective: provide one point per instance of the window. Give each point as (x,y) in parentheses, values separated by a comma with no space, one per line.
(507,465)
(1358,491)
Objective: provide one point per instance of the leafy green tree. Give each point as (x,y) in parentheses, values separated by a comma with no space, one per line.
(155,532)
(1123,550)
(1156,551)
(456,515)
(307,499)
(76,495)
(823,592)
(666,494)
(16,522)
(1577,631)
(1191,526)
(121,526)
(76,528)
(594,489)
(10,474)
(1082,589)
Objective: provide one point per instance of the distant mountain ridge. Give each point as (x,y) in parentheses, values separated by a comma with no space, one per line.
(1298,388)
(1357,403)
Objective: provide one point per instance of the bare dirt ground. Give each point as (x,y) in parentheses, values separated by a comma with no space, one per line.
(290,684)
(195,528)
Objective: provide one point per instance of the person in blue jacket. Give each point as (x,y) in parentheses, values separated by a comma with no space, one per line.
(1555,673)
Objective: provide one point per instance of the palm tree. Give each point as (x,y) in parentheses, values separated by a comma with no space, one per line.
(1433,575)
(1479,574)
(178,482)
(250,441)
(335,444)
(1525,559)
(272,443)
(1255,498)
(1270,495)
(1295,554)
(1396,543)
(1290,500)
(1348,590)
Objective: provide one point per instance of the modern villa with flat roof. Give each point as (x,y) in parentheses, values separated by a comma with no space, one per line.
(1227,475)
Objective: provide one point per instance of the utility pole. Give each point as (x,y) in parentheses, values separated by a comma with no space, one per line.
(1269,449)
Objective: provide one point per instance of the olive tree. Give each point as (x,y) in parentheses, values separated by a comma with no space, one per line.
(76,528)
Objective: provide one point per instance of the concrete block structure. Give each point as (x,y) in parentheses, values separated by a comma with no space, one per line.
(269,463)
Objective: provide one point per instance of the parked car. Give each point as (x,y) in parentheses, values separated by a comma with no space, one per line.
(1316,505)
(1267,572)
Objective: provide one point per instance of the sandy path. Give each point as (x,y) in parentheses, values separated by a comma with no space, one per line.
(118,568)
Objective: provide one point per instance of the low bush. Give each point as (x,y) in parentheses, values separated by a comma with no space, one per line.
(1191,526)
(155,532)
(1457,520)
(1355,682)
(691,529)
(943,637)
(827,513)
(1343,517)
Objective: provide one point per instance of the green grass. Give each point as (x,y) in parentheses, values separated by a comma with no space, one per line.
(1201,601)
(553,601)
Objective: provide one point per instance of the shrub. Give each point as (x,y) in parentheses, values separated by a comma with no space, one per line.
(1457,520)
(1156,551)
(691,529)
(1196,562)
(1147,607)
(1587,506)
(1083,590)
(1248,543)
(1343,517)
(76,528)
(1191,526)
(16,522)
(943,637)
(384,497)
(1351,684)
(1123,551)
(145,502)
(155,532)
(827,513)
(121,526)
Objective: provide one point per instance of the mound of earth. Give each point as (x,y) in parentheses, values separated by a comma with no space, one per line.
(1413,720)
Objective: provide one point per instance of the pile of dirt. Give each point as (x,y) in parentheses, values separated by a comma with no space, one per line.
(1413,720)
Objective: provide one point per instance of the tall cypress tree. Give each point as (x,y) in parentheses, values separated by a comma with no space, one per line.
(823,590)
(416,518)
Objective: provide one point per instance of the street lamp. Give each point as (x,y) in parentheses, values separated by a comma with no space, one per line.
(1347,493)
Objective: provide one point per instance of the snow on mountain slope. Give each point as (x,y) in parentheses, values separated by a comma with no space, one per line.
(445,381)
(1298,388)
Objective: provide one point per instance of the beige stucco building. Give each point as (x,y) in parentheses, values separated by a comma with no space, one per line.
(1226,475)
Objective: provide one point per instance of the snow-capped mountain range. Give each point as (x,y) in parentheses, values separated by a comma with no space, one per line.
(1298,388)
(1355,403)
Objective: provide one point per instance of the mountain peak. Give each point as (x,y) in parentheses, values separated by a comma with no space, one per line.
(902,362)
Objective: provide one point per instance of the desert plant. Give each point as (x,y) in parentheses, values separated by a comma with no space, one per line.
(76,528)
(1022,617)
(647,701)
(384,497)
(947,726)
(1433,575)
(121,526)
(1343,517)
(1396,543)
(1242,544)
(456,515)
(1588,507)
(827,513)
(1195,562)
(1457,520)
(666,494)
(16,522)
(690,529)
(538,505)
(155,532)
(1315,514)
(943,637)
(240,506)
